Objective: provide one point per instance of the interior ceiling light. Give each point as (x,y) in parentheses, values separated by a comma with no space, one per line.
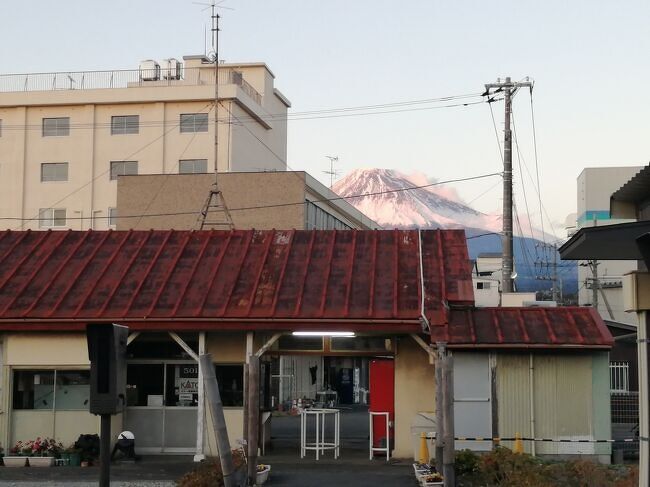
(324,333)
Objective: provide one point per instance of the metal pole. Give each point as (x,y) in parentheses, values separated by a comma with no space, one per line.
(439,375)
(105,451)
(253,416)
(594,283)
(449,452)
(218,420)
(506,238)
(555,287)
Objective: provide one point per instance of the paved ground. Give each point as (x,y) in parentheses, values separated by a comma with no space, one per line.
(162,472)
(287,469)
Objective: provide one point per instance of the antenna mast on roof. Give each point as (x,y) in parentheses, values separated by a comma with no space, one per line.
(215,212)
(332,172)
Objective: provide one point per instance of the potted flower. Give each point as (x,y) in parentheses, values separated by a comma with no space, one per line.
(262,473)
(42,451)
(16,457)
(72,455)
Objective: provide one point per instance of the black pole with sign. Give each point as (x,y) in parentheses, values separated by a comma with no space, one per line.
(107,354)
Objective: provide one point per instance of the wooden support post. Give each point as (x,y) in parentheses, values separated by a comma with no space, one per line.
(218,420)
(200,410)
(253,417)
(440,387)
(449,452)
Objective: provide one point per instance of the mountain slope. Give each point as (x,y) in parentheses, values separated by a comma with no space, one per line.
(441,207)
(432,207)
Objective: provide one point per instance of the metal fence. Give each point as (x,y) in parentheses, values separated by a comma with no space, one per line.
(92,80)
(619,376)
(625,419)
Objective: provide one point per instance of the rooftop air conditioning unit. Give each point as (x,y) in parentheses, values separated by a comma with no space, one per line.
(149,70)
(171,68)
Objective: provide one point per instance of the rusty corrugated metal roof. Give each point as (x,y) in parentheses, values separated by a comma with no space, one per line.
(144,278)
(565,327)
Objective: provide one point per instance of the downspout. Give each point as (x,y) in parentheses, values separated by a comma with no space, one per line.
(426,327)
(531,374)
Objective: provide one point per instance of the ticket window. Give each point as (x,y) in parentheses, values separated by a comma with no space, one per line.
(182,386)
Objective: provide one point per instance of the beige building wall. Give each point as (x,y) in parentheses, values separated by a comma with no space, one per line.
(414,392)
(260,200)
(252,137)
(61,351)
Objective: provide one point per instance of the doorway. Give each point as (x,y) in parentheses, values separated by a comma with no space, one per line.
(162,400)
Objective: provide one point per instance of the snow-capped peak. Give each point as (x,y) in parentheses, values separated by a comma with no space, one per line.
(425,207)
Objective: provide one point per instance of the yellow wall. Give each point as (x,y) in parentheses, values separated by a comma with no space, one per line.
(46,349)
(414,392)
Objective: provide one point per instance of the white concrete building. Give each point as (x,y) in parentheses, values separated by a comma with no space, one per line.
(595,186)
(66,137)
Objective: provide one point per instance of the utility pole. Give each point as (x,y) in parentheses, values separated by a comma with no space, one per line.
(593,265)
(215,212)
(509,89)
(554,278)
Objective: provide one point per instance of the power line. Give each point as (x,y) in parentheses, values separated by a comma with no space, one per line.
(103,173)
(155,196)
(305,115)
(279,205)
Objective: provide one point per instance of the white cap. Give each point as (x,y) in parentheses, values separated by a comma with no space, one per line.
(126,435)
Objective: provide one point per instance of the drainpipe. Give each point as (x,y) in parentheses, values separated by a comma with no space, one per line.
(426,328)
(531,374)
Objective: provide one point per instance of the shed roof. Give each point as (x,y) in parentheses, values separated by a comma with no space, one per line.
(565,327)
(284,280)
(145,278)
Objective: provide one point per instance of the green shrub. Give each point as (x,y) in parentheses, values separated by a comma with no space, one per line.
(466,462)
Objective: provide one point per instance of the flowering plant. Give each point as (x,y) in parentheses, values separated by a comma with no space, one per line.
(40,447)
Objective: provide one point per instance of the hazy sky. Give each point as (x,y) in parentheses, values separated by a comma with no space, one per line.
(590,61)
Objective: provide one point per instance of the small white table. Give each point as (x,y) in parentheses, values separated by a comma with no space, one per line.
(320,445)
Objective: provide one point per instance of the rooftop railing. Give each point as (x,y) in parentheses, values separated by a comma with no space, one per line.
(127,78)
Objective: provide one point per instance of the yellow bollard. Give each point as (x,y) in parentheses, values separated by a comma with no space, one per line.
(424,449)
(519,445)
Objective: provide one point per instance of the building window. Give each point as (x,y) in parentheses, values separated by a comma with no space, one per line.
(193,166)
(54,171)
(56,127)
(123,168)
(51,389)
(194,122)
(318,219)
(619,376)
(112,217)
(51,217)
(125,124)
(483,285)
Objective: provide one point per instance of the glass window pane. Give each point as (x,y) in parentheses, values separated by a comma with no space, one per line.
(201,122)
(290,342)
(33,389)
(72,389)
(144,384)
(187,123)
(182,387)
(231,384)
(59,218)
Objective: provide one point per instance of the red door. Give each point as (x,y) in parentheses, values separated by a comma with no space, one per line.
(382,398)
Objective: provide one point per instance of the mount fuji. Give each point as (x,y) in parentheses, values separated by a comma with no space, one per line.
(440,206)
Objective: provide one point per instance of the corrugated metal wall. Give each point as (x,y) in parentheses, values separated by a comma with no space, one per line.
(562,399)
(513,389)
